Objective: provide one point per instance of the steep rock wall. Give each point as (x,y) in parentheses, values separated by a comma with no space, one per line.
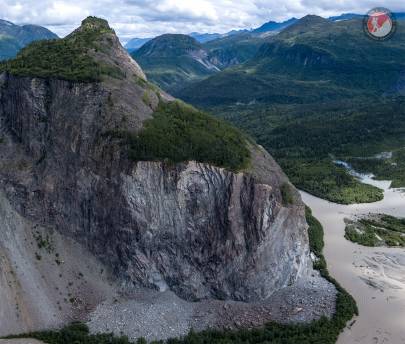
(196,229)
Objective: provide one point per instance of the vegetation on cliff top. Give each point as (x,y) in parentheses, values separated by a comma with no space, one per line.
(377,230)
(178,132)
(68,58)
(323,331)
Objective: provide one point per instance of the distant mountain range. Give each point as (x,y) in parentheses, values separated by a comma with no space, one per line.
(313,48)
(266,28)
(274,26)
(136,43)
(15,37)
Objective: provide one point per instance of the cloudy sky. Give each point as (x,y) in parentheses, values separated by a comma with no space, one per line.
(146,18)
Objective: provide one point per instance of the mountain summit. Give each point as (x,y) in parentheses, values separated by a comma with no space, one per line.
(90,53)
(169,45)
(172,60)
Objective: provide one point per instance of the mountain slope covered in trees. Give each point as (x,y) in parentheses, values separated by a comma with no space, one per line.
(318,90)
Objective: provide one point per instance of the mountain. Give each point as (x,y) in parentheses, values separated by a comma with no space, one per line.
(274,26)
(14,37)
(136,43)
(119,202)
(302,55)
(318,88)
(172,60)
(205,37)
(268,28)
(349,16)
(346,16)
(233,50)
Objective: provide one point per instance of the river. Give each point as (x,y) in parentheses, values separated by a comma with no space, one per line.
(375,276)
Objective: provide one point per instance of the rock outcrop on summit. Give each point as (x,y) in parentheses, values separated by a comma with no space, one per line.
(192,228)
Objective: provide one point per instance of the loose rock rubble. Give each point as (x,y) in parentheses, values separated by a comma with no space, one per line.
(161,315)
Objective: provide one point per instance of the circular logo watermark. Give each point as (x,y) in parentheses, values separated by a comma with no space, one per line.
(379,24)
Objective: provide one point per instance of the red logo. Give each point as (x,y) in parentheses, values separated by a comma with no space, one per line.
(379,24)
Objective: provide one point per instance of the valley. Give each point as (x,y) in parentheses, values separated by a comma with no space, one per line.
(313,93)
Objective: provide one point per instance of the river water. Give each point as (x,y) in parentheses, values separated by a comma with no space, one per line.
(375,276)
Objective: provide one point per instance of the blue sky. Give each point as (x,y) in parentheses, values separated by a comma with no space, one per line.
(146,18)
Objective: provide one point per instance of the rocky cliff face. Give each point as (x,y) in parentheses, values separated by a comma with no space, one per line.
(196,229)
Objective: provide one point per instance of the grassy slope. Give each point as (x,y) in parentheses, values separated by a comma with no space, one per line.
(323,331)
(313,91)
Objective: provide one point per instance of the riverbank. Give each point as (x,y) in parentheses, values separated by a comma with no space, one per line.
(374,276)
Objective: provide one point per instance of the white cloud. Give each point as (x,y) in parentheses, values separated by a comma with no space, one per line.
(144,18)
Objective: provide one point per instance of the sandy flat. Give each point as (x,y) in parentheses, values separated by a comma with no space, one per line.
(375,276)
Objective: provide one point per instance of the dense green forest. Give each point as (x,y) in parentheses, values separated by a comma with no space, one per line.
(377,230)
(323,331)
(178,132)
(306,140)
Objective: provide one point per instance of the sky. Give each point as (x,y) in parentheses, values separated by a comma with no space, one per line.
(149,18)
